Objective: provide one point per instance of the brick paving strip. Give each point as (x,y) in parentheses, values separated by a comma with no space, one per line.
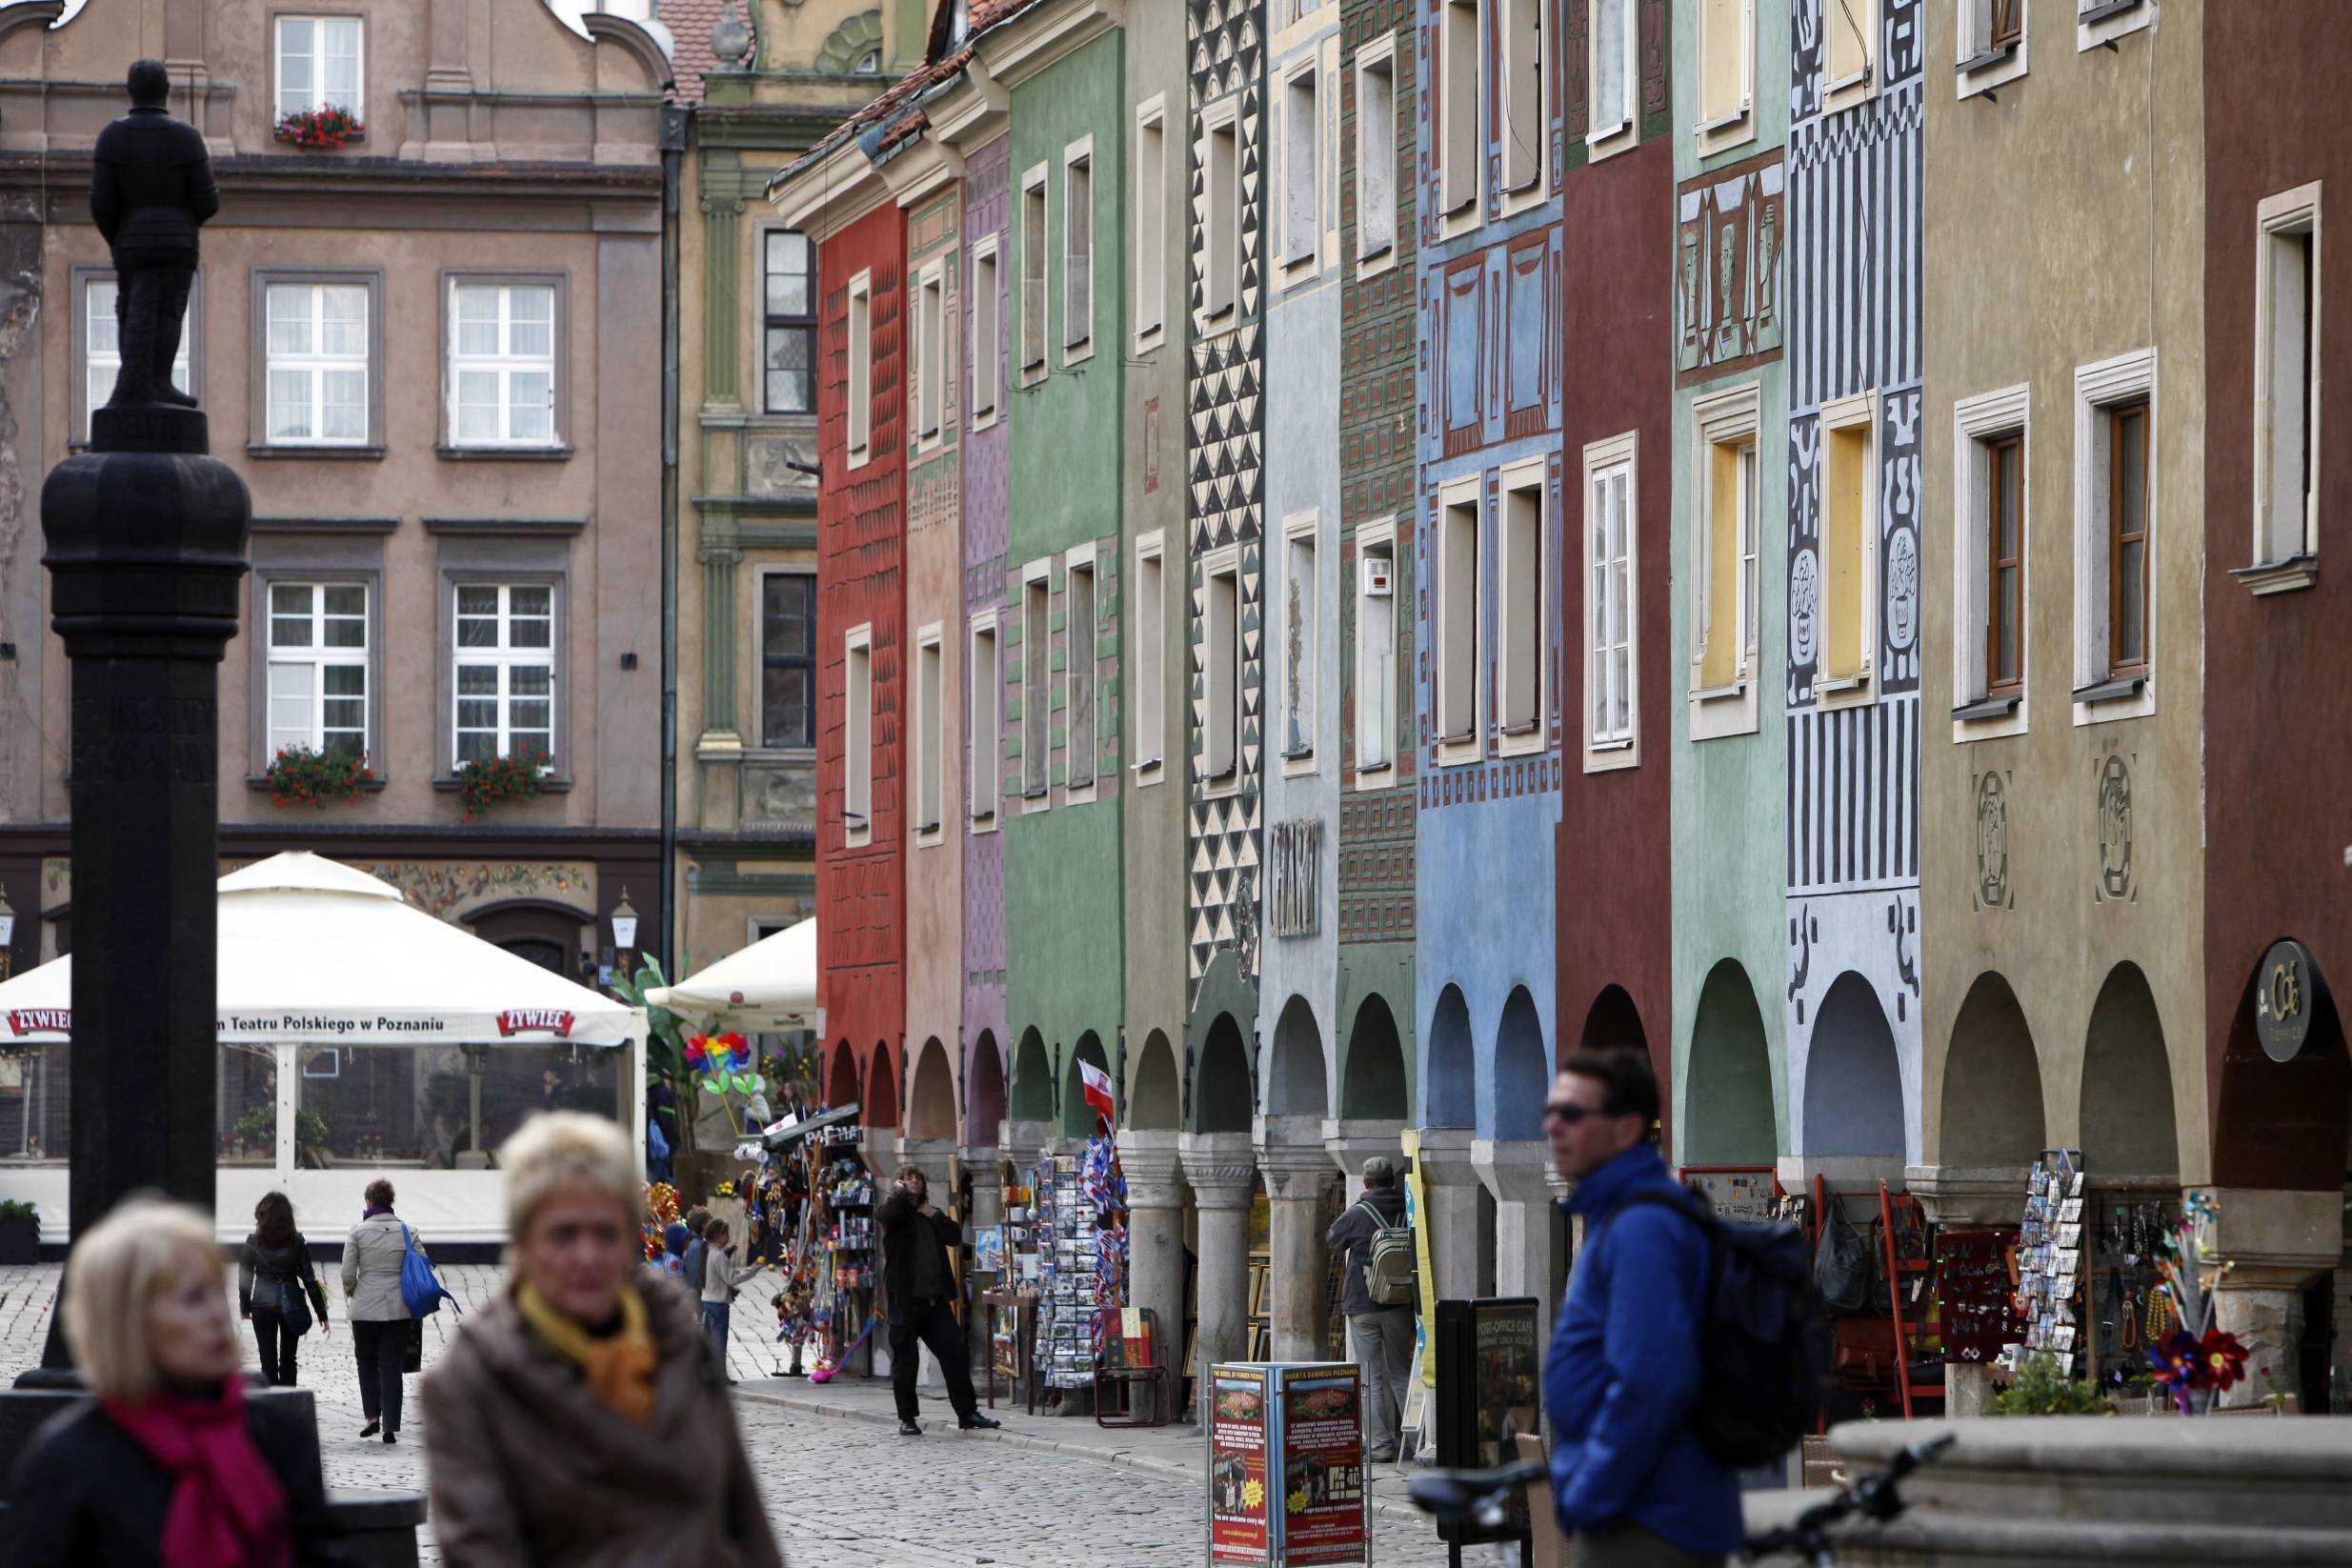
(842,1488)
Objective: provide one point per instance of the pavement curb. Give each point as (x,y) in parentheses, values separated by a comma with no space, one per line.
(1127,1458)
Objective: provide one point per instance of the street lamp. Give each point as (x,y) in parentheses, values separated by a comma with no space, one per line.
(624,923)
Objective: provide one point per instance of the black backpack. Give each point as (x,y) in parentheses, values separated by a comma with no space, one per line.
(1764,1340)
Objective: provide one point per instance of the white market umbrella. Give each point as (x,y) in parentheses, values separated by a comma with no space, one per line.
(767,986)
(313,952)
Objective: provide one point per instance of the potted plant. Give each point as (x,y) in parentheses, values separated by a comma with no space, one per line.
(2043,1388)
(326,128)
(487,781)
(20,1233)
(300,776)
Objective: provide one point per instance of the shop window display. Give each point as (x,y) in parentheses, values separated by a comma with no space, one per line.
(35,1084)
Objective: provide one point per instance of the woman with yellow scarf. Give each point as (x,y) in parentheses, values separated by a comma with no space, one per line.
(576,1419)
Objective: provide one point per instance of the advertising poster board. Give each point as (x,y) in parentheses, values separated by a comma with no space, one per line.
(1320,1438)
(1979,1296)
(1241,1414)
(1490,1390)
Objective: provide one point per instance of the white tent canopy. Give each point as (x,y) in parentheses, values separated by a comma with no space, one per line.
(767,986)
(313,952)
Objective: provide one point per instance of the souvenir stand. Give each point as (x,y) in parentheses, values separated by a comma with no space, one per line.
(2050,1257)
(2126,1309)
(814,1201)
(1887,1346)
(1078,1227)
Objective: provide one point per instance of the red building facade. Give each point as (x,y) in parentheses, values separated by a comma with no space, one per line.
(1615,887)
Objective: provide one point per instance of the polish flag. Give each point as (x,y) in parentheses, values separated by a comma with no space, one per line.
(1097,1086)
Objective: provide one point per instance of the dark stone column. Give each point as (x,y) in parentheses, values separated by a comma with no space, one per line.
(146,554)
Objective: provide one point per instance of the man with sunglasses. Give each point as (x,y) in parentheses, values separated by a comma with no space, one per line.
(1629,1479)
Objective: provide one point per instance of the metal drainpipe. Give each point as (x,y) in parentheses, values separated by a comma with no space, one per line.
(673,126)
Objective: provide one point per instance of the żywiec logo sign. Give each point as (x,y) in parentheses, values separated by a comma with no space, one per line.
(535,1020)
(35,1021)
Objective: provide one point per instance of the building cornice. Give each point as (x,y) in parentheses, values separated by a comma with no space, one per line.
(971,110)
(830,195)
(1045,35)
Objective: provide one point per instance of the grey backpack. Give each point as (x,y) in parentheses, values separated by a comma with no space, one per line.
(1389,1264)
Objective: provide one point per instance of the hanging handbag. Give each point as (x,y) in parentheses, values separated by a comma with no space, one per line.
(1841,1263)
(293,1308)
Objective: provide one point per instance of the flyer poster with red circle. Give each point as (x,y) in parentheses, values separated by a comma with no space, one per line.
(1240,1524)
(1321,1444)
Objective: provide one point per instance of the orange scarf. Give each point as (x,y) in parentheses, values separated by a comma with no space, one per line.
(619,1368)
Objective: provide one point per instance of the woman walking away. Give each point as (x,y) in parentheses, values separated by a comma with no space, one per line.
(171,1465)
(274,1275)
(573,1375)
(380,1322)
(721,1281)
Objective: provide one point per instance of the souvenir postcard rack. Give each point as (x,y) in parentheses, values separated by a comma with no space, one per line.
(2050,1263)
(1079,1222)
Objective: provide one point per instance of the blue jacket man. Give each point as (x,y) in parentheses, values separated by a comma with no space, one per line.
(1629,1479)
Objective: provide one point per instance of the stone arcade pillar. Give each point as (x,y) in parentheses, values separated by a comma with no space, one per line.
(1351,1143)
(1968,1198)
(1155,1234)
(1298,1172)
(1518,1171)
(2276,1243)
(1458,1247)
(1223,1171)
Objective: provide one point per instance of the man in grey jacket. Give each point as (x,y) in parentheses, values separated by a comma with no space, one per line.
(1382,1337)
(372,1257)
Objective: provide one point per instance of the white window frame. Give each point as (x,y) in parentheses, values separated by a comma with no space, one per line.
(1296,264)
(504,365)
(100,367)
(1149,637)
(1035,279)
(1617,457)
(318,364)
(1080,663)
(2100,22)
(317,658)
(1461,144)
(984,670)
(1459,625)
(929,774)
(987,331)
(929,341)
(1979,67)
(1376,58)
(2274,570)
(1303,530)
(1221,740)
(358,105)
(506,657)
(1148,201)
(858,400)
(2099,387)
(1731,126)
(1037,712)
(1221,229)
(1858,412)
(1077,220)
(1532,185)
(1379,536)
(1732,417)
(1975,421)
(1514,643)
(1605,140)
(1859,85)
(858,736)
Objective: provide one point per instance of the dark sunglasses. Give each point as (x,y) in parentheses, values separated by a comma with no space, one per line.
(1556,1110)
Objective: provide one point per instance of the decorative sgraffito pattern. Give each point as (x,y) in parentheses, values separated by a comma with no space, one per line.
(1855,254)
(1993,889)
(1853,797)
(1225,450)
(2111,806)
(1727,294)
(1376,403)
(1900,505)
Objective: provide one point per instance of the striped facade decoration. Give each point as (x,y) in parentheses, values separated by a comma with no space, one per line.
(1854,798)
(1854,248)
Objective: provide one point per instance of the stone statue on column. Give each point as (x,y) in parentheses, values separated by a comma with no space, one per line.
(150,188)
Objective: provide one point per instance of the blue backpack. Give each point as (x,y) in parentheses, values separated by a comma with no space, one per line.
(421,1290)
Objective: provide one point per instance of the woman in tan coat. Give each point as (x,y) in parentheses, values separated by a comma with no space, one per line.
(574,1420)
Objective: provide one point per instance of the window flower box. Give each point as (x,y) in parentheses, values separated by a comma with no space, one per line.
(299,776)
(484,782)
(326,128)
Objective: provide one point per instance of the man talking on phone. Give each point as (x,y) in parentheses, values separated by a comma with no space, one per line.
(918,1298)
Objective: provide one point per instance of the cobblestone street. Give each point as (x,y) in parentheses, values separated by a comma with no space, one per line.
(843,1493)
